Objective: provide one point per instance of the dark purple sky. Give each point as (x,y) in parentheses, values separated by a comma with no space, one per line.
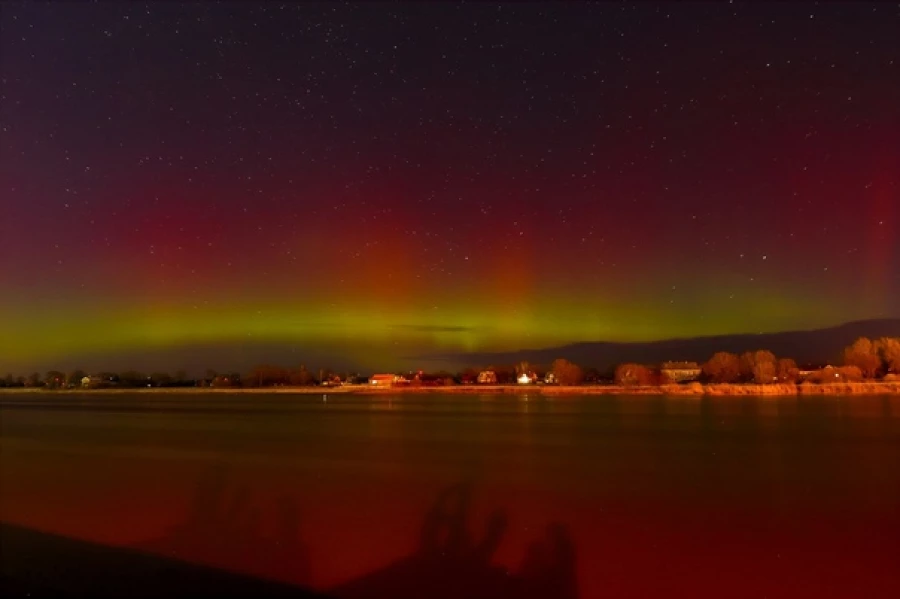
(370,181)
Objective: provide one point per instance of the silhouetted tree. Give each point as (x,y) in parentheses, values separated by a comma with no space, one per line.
(110,378)
(831,374)
(746,363)
(74,377)
(445,377)
(662,377)
(633,374)
(864,355)
(160,379)
(133,378)
(786,370)
(889,351)
(232,379)
(591,375)
(849,373)
(301,377)
(566,373)
(328,374)
(723,367)
(505,374)
(758,367)
(468,376)
(764,368)
(268,376)
(34,380)
(55,379)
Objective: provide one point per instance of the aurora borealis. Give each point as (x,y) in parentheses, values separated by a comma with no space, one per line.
(217,184)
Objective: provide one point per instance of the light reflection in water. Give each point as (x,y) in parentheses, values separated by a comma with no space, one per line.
(326,493)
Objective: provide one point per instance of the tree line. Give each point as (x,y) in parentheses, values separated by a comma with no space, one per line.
(266,375)
(57,379)
(864,359)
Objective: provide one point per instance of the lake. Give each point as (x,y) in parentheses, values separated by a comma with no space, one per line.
(601,496)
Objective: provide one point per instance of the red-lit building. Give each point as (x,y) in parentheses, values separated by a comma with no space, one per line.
(487,377)
(383,380)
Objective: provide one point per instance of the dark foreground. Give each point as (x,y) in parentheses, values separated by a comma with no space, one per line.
(450,496)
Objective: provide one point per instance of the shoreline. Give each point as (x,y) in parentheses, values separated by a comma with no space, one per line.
(690,389)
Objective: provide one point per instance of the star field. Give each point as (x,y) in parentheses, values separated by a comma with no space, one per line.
(382,181)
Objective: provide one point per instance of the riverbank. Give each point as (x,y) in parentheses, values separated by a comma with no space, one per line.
(690,389)
(722,390)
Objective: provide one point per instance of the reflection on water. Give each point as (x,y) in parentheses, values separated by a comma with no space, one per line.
(574,496)
(224,528)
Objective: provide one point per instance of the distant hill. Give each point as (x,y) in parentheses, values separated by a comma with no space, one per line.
(807,347)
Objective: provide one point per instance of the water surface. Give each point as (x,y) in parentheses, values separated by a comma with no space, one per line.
(595,496)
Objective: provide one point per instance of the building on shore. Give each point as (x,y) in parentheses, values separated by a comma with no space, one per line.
(808,370)
(487,377)
(680,372)
(90,382)
(384,380)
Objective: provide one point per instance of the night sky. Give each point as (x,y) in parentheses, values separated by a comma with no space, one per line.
(223,184)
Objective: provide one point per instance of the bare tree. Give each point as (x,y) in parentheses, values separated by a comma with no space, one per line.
(758,366)
(889,350)
(864,355)
(633,374)
(787,370)
(566,373)
(55,379)
(723,367)
(74,377)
